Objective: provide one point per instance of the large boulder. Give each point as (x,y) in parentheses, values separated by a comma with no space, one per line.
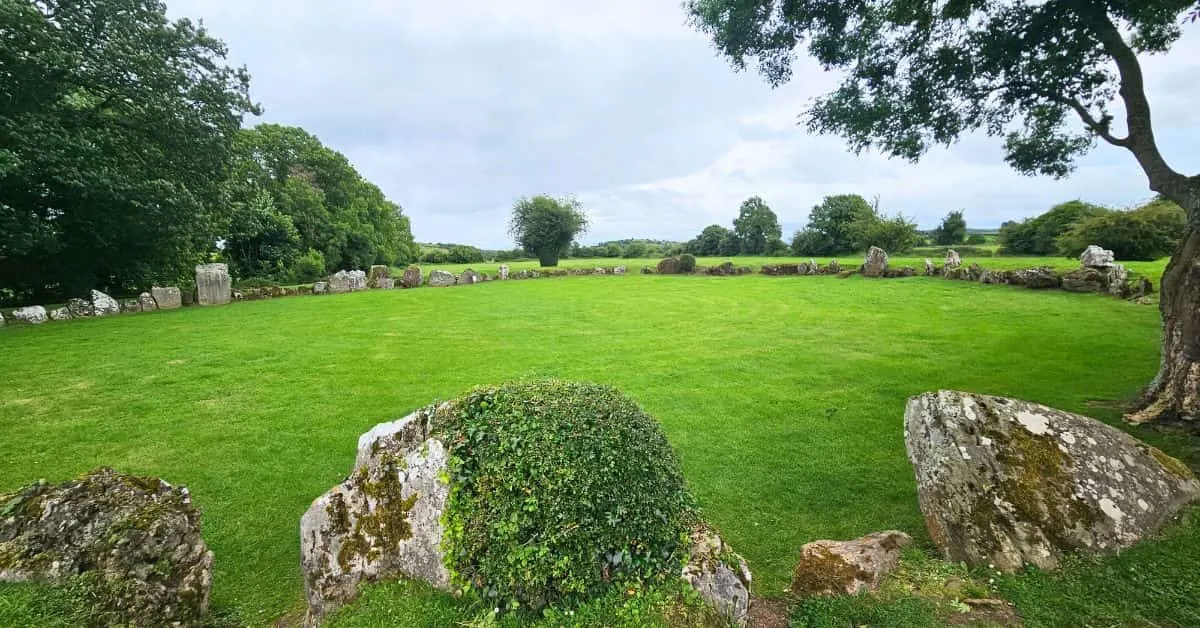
(32,314)
(347,281)
(441,279)
(718,574)
(1096,257)
(876,262)
(952,259)
(412,277)
(137,538)
(468,277)
(847,567)
(213,285)
(1011,483)
(669,266)
(60,314)
(167,298)
(377,276)
(1087,279)
(104,305)
(1040,278)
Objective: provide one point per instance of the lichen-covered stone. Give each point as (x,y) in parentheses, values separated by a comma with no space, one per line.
(876,262)
(104,305)
(412,277)
(383,522)
(1096,257)
(213,284)
(952,260)
(32,314)
(1118,281)
(833,268)
(974,272)
(1086,279)
(320,287)
(60,314)
(503,271)
(669,266)
(847,567)
(441,279)
(347,281)
(1040,278)
(147,303)
(378,273)
(1010,483)
(168,298)
(131,306)
(719,575)
(138,537)
(468,277)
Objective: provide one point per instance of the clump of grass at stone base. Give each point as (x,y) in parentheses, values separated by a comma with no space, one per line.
(560,491)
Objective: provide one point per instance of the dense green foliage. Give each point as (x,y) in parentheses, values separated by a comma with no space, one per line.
(1148,232)
(295,199)
(952,230)
(559,490)
(687,263)
(115,137)
(846,223)
(1038,235)
(755,227)
(546,226)
(708,243)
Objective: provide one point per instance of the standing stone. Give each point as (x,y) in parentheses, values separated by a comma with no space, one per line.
(147,302)
(504,271)
(357,280)
(719,575)
(131,306)
(847,567)
(952,259)
(669,266)
(1118,282)
(386,283)
(930,269)
(834,267)
(33,314)
(166,298)
(104,305)
(139,536)
(378,273)
(441,279)
(876,262)
(347,281)
(468,277)
(1010,483)
(1096,257)
(320,287)
(60,314)
(974,272)
(620,270)
(411,278)
(1,320)
(213,285)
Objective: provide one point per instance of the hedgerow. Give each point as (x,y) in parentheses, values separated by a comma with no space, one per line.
(558,491)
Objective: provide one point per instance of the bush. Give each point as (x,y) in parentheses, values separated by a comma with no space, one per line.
(559,490)
(687,263)
(1037,236)
(309,267)
(1146,233)
(257,282)
(976,239)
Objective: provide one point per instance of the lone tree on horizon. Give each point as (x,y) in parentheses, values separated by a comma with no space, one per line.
(919,73)
(545,226)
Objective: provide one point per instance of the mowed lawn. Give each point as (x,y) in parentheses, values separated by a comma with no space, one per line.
(784,396)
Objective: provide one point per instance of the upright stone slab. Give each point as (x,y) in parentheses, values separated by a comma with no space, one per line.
(1011,483)
(930,269)
(412,277)
(833,268)
(167,298)
(953,260)
(376,276)
(213,285)
(876,262)
(1096,257)
(347,281)
(146,302)
(468,277)
(504,271)
(441,279)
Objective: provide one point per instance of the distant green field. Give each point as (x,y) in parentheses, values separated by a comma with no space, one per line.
(783,395)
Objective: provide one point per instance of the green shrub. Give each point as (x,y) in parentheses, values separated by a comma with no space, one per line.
(559,490)
(687,263)
(309,267)
(1036,236)
(1147,233)
(976,239)
(257,282)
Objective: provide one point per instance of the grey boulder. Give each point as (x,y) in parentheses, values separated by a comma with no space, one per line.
(876,262)
(441,279)
(719,575)
(213,284)
(168,298)
(32,314)
(847,567)
(1011,483)
(1096,257)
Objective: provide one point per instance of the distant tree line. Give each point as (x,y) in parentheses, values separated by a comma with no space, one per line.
(755,231)
(847,223)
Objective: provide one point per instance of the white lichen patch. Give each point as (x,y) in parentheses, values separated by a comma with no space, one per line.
(1143,505)
(1068,438)
(1037,424)
(963,450)
(1109,507)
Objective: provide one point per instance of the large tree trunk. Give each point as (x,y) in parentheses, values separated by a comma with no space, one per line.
(1174,395)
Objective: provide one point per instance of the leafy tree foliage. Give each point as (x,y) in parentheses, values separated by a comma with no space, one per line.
(919,73)
(1146,233)
(894,234)
(1038,235)
(729,245)
(708,243)
(261,241)
(755,227)
(463,254)
(115,127)
(953,229)
(830,228)
(333,209)
(546,226)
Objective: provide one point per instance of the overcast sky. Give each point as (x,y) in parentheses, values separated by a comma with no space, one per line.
(456,109)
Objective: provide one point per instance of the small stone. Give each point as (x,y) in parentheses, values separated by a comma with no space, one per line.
(468,277)
(974,272)
(930,269)
(833,268)
(441,279)
(60,314)
(131,306)
(1096,257)
(213,284)
(876,262)
(167,298)
(847,567)
(619,270)
(1118,282)
(719,575)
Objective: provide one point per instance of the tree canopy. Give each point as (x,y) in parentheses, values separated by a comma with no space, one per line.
(756,227)
(952,230)
(545,226)
(830,229)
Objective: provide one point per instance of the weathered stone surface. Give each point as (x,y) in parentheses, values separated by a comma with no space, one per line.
(147,303)
(646,270)
(952,259)
(80,308)
(104,305)
(1,320)
(468,277)
(1035,278)
(441,279)
(719,575)
(974,272)
(376,274)
(167,298)
(60,314)
(1118,281)
(834,267)
(383,522)
(1011,483)
(131,306)
(876,262)
(619,270)
(347,281)
(320,287)
(213,285)
(504,271)
(907,271)
(668,266)
(847,567)
(33,314)
(1095,257)
(386,283)
(723,269)
(930,269)
(1085,280)
(412,277)
(138,537)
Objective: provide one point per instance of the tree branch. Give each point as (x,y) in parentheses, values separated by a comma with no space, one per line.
(1099,127)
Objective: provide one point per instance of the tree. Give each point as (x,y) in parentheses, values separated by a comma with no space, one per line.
(463,254)
(115,127)
(1145,233)
(729,245)
(1038,235)
(895,234)
(829,230)
(755,227)
(708,243)
(953,229)
(545,226)
(261,241)
(923,73)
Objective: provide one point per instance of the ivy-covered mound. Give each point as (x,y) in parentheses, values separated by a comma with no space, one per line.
(557,490)
(523,496)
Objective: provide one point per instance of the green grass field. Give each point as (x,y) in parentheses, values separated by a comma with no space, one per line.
(784,396)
